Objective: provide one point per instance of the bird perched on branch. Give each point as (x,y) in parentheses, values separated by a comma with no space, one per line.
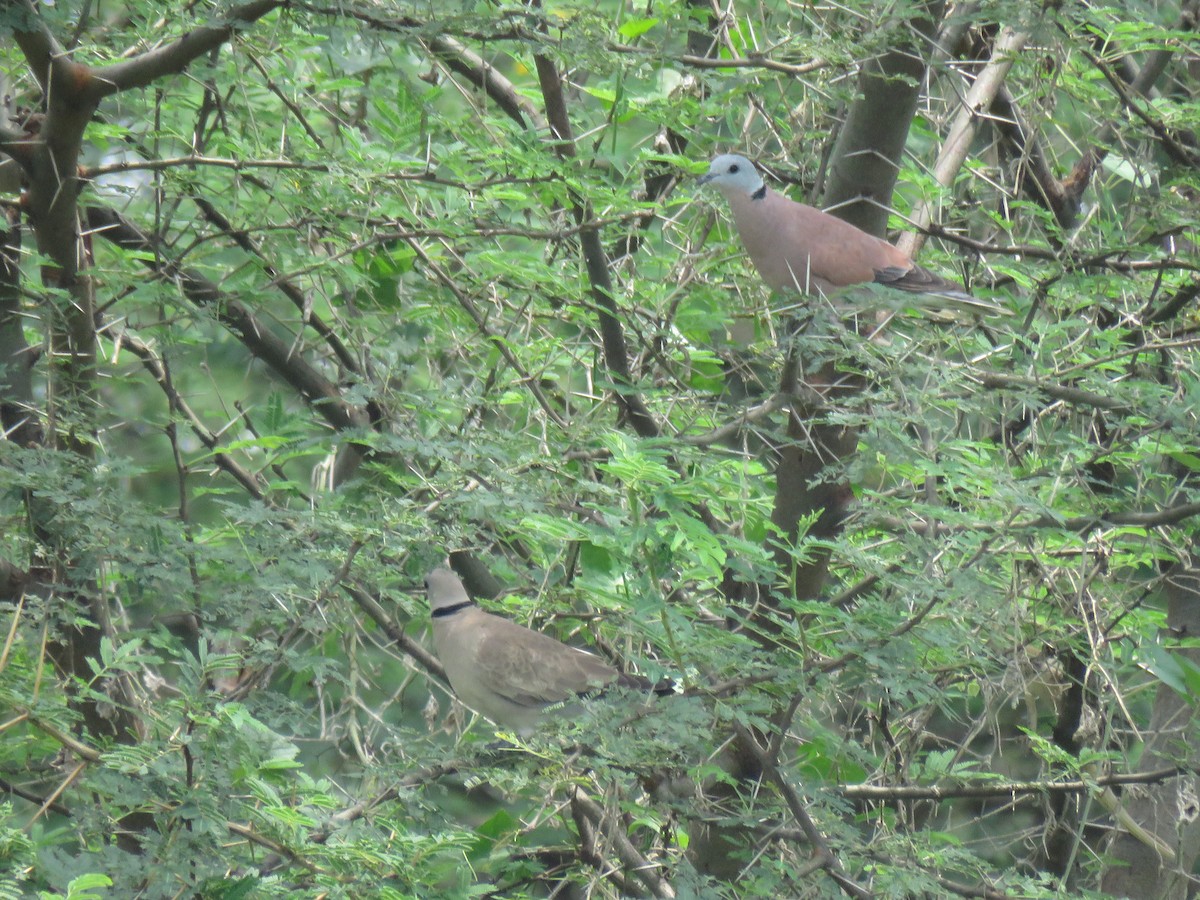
(796,247)
(505,671)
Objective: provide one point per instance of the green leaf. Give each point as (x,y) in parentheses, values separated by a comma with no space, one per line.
(635,28)
(1174,670)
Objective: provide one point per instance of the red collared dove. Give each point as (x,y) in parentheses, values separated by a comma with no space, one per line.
(505,671)
(800,248)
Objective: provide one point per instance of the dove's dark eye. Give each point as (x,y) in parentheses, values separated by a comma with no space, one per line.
(733,169)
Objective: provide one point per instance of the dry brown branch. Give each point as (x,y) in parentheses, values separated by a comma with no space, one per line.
(173,58)
(387,624)
(642,869)
(612,333)
(175,400)
(823,854)
(530,383)
(1063,392)
(263,343)
(958,140)
(1170,143)
(753,61)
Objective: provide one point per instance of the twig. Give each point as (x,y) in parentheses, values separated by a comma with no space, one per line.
(371,607)
(324,395)
(194,160)
(821,849)
(1057,391)
(289,289)
(500,344)
(753,61)
(1006,789)
(958,141)
(154,365)
(274,846)
(642,868)
(1173,147)
(612,334)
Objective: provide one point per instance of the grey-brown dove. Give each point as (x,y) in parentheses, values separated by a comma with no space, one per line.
(505,671)
(800,248)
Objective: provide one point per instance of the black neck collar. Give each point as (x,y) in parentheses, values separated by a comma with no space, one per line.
(442,611)
(760,193)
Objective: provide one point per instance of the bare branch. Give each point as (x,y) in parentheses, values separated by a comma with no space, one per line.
(174,162)
(1057,391)
(173,58)
(958,141)
(277,353)
(822,851)
(1005,789)
(643,869)
(372,608)
(753,61)
(500,344)
(175,400)
(1170,143)
(612,334)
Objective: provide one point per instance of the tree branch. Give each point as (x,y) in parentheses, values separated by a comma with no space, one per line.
(827,860)
(642,868)
(1006,789)
(293,293)
(499,343)
(387,624)
(958,140)
(1174,149)
(175,401)
(262,343)
(751,61)
(483,75)
(1057,391)
(612,335)
(173,58)
(43,53)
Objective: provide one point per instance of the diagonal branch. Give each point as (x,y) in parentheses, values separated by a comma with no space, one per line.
(286,285)
(824,857)
(173,58)
(1170,143)
(962,131)
(479,72)
(154,365)
(642,868)
(264,344)
(498,342)
(612,334)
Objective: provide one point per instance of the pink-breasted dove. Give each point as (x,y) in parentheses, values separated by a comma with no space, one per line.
(796,247)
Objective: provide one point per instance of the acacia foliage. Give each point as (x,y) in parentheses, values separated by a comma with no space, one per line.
(342,288)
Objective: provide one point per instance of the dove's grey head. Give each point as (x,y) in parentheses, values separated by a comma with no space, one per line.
(445,589)
(732,174)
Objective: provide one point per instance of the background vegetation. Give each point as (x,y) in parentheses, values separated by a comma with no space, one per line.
(299,297)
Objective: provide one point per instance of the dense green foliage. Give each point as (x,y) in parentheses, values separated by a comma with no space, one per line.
(559,366)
